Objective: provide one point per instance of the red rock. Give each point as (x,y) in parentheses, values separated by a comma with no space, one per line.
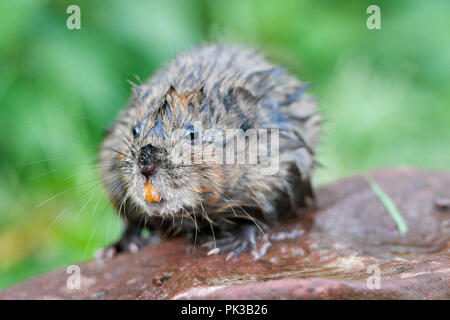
(330,252)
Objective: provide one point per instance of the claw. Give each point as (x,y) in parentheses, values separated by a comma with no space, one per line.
(106,253)
(230,256)
(213,251)
(133,247)
(241,240)
(258,254)
(209,245)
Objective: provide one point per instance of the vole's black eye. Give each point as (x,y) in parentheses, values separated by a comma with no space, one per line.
(191,132)
(137,130)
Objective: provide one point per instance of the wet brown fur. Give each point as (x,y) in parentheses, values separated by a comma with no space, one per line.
(223,87)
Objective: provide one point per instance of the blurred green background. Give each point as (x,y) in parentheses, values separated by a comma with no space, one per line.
(384,95)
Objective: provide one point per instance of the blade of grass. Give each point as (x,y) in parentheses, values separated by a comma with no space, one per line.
(388,204)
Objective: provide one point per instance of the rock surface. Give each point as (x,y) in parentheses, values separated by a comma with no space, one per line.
(335,251)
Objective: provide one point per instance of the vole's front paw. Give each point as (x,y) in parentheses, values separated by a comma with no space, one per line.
(240,240)
(126,244)
(106,253)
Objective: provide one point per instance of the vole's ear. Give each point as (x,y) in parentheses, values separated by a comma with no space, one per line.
(244,97)
(245,100)
(171,95)
(171,100)
(186,101)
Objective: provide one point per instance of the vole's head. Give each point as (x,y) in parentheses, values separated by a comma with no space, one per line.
(155,170)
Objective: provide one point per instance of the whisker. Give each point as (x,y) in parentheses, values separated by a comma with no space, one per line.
(210,224)
(89,240)
(105,128)
(65,209)
(68,206)
(49,199)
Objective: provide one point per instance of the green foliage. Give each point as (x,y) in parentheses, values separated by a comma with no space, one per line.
(383,93)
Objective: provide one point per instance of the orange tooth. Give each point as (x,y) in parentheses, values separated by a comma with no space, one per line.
(150,193)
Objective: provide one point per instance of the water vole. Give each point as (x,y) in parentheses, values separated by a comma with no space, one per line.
(157,162)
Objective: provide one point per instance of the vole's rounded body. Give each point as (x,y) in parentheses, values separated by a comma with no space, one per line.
(218,87)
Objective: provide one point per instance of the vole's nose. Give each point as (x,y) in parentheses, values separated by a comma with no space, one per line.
(147,161)
(147,171)
(146,154)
